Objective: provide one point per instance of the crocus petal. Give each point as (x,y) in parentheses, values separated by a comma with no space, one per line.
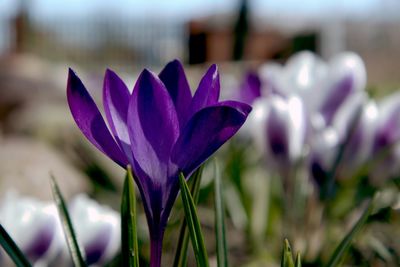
(349,63)
(95,248)
(240,106)
(277,130)
(270,75)
(297,127)
(254,125)
(337,94)
(204,133)
(387,131)
(208,91)
(41,242)
(88,118)
(153,125)
(348,113)
(250,88)
(324,148)
(303,71)
(116,100)
(174,78)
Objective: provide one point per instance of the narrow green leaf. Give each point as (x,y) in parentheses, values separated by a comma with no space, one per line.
(12,249)
(69,232)
(129,244)
(297,263)
(287,256)
(339,252)
(193,224)
(222,254)
(183,241)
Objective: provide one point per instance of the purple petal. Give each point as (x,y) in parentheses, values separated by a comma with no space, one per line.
(336,96)
(116,100)
(155,200)
(88,118)
(174,78)
(204,133)
(277,135)
(250,88)
(240,106)
(153,126)
(388,132)
(41,241)
(97,246)
(207,93)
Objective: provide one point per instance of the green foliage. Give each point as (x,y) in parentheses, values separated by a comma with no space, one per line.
(340,251)
(183,240)
(69,232)
(12,249)
(129,244)
(193,224)
(287,256)
(222,253)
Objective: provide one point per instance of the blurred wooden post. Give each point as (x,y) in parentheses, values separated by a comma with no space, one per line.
(20,26)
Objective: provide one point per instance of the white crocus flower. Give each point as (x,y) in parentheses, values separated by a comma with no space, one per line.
(322,86)
(97,227)
(33,225)
(279,128)
(36,228)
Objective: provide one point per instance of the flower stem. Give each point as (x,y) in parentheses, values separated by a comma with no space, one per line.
(156,250)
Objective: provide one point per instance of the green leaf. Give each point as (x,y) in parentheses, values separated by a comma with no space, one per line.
(183,241)
(69,232)
(12,249)
(193,224)
(222,254)
(129,244)
(287,256)
(339,252)
(297,263)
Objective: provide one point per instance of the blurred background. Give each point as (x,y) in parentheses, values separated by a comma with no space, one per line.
(149,33)
(40,39)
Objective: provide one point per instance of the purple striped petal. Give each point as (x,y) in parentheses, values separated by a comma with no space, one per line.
(336,96)
(204,133)
(155,197)
(88,118)
(388,133)
(96,247)
(116,100)
(277,133)
(153,126)
(41,241)
(174,78)
(207,93)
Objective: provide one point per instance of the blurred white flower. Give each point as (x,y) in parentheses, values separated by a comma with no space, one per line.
(322,86)
(33,224)
(36,228)
(279,127)
(98,228)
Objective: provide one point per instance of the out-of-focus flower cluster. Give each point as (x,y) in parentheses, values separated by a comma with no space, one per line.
(313,111)
(36,228)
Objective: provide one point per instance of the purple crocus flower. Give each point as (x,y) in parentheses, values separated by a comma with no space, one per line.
(160,129)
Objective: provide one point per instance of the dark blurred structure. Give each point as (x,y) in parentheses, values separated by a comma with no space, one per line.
(240,31)
(197,43)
